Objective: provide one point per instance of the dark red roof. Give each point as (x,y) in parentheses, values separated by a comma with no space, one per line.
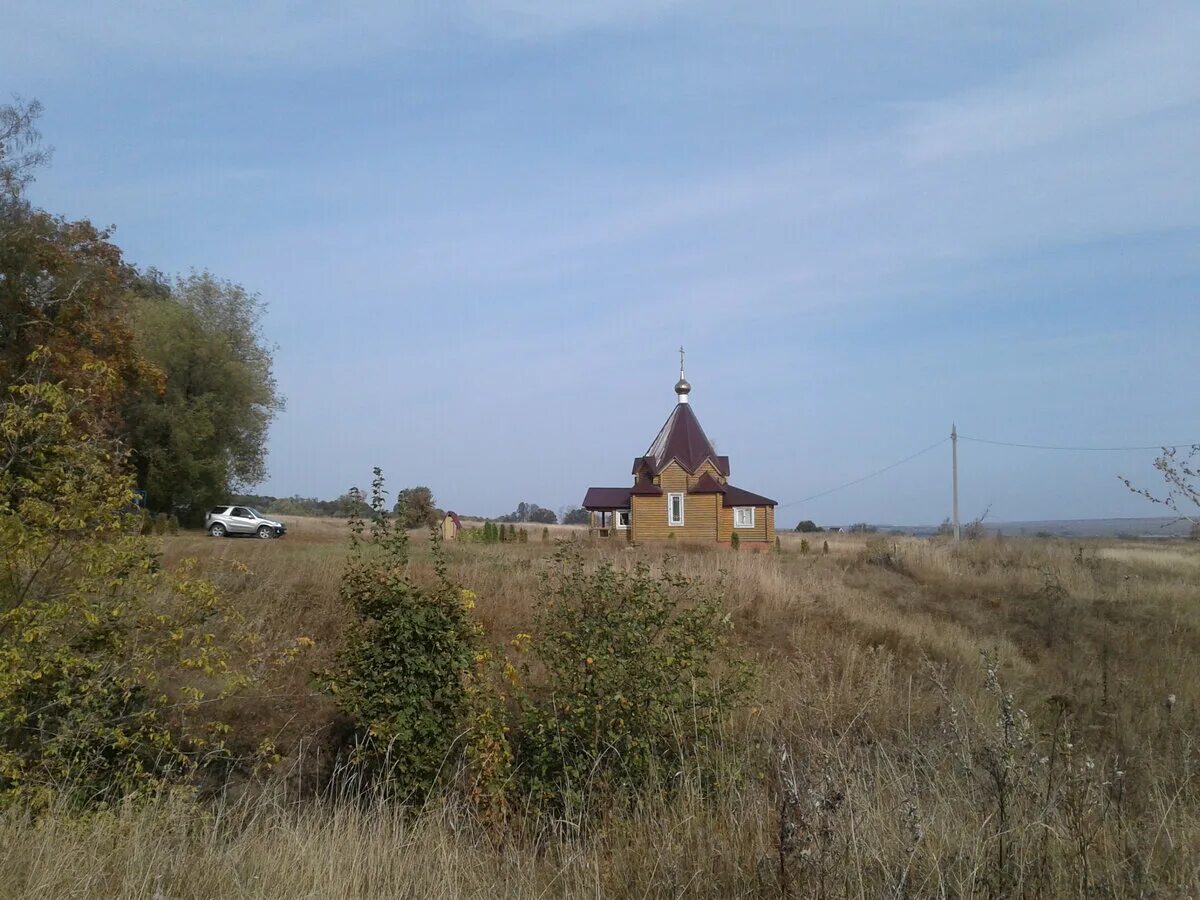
(607,498)
(682,440)
(735,496)
(706,484)
(646,489)
(454,518)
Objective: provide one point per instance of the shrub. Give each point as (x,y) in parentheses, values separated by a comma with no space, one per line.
(635,676)
(735,541)
(545,535)
(105,657)
(804,545)
(522,536)
(401,675)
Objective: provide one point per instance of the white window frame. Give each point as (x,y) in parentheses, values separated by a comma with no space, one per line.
(625,514)
(671,508)
(738,511)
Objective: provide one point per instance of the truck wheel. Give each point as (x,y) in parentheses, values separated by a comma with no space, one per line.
(217,530)
(265,532)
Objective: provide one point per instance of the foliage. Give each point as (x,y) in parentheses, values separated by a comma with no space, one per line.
(1182,476)
(342,507)
(735,540)
(64,287)
(545,535)
(808,526)
(192,392)
(416,508)
(576,516)
(401,674)
(201,434)
(634,677)
(104,656)
(531,512)
(21,150)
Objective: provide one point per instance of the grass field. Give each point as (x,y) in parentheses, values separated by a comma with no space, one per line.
(882,756)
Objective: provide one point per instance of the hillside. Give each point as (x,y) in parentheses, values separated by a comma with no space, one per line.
(1009,717)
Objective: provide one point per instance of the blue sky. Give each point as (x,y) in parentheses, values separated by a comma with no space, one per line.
(483,229)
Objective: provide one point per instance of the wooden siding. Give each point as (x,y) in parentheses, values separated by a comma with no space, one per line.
(763,530)
(700,511)
(705,518)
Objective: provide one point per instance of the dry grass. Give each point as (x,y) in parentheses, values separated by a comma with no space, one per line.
(872,682)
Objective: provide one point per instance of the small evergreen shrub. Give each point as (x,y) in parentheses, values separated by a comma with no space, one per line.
(804,545)
(735,541)
(545,535)
(522,536)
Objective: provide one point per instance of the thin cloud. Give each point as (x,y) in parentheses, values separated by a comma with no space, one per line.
(1150,68)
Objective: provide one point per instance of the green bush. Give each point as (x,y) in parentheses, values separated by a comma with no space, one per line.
(401,676)
(522,536)
(106,658)
(804,545)
(735,540)
(635,676)
(545,535)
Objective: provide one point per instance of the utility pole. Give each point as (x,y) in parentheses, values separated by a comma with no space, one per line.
(954,469)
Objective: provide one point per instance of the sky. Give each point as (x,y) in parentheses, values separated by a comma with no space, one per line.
(483,229)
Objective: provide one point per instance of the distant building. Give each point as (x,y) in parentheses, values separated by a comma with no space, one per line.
(451,526)
(681,489)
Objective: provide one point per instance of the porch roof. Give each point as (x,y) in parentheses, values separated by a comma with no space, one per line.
(606,498)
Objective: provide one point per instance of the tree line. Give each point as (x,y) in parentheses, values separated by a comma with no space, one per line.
(415,507)
(193,390)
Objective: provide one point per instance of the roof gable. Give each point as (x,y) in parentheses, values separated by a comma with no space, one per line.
(681,439)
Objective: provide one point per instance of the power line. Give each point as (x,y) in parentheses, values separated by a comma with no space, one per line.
(865,477)
(963,437)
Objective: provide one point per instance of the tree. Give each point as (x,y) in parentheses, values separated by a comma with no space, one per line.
(201,435)
(21,150)
(64,287)
(415,508)
(1182,476)
(808,526)
(105,656)
(531,512)
(577,516)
